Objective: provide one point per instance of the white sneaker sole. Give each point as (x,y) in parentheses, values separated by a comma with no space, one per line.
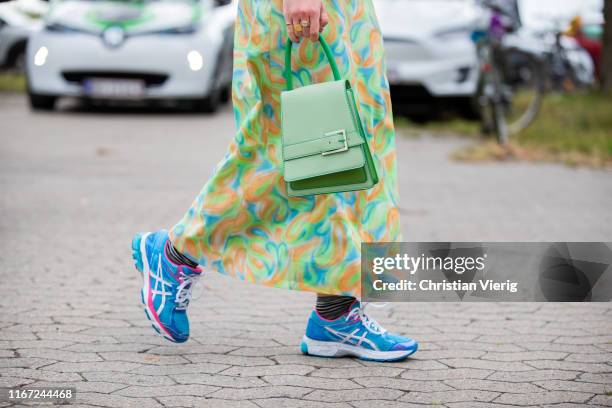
(334,349)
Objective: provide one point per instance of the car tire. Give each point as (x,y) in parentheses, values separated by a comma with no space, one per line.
(42,102)
(469,108)
(226,94)
(209,104)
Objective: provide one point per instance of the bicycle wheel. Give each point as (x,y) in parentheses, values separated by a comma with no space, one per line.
(522,89)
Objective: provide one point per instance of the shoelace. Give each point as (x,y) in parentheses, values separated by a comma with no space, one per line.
(183,293)
(369,323)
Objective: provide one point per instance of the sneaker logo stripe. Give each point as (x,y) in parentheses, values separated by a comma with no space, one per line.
(353,338)
(160,286)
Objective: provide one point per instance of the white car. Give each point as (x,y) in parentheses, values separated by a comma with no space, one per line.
(429,52)
(145,50)
(18,18)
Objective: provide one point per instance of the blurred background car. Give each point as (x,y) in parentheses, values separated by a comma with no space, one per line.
(18,18)
(430,56)
(432,62)
(137,50)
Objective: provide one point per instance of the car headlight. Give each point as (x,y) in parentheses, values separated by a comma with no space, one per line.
(41,56)
(195,60)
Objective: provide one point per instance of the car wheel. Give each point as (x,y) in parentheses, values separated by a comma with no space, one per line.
(226,94)
(42,102)
(469,108)
(209,104)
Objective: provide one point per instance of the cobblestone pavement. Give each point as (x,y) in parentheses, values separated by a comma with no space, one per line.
(76,185)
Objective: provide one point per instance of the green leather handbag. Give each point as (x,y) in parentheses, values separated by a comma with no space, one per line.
(324,146)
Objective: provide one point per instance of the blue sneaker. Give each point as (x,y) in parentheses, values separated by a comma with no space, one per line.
(166,286)
(354,334)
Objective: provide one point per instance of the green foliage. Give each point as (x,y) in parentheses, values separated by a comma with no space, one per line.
(12,82)
(571,128)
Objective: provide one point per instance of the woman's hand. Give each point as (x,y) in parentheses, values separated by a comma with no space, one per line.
(304,18)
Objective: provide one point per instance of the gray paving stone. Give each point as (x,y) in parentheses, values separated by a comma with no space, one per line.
(16,335)
(128,379)
(9,382)
(410,363)
(558,385)
(474,404)
(143,358)
(311,382)
(297,403)
(524,355)
(596,378)
(61,355)
(550,397)
(449,353)
(184,349)
(258,371)
(584,340)
(495,386)
(448,374)
(536,375)
(84,386)
(203,402)
(43,328)
(571,405)
(36,344)
(105,347)
(402,385)
(486,364)
(265,351)
(496,347)
(161,391)
(239,342)
(569,365)
(562,348)
(77,337)
(119,366)
(115,401)
(218,380)
(271,391)
(317,361)
(605,400)
(374,371)
(40,375)
(389,404)
(24,362)
(354,395)
(590,358)
(517,339)
(208,368)
(228,359)
(91,322)
(443,397)
(246,331)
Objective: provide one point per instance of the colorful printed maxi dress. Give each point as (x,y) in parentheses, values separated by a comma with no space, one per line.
(242,223)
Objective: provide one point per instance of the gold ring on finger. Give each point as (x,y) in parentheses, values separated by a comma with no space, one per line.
(297,28)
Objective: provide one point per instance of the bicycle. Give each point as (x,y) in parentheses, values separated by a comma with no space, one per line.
(511,85)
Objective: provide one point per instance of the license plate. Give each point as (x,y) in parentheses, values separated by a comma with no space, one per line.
(114,88)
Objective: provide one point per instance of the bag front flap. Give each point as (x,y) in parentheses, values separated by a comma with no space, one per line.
(319,133)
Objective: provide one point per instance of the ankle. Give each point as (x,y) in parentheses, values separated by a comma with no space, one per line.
(331,307)
(177,257)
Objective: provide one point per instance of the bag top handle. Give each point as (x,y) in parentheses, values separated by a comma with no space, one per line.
(328,54)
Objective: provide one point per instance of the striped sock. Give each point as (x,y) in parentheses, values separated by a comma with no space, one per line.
(332,307)
(175,256)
